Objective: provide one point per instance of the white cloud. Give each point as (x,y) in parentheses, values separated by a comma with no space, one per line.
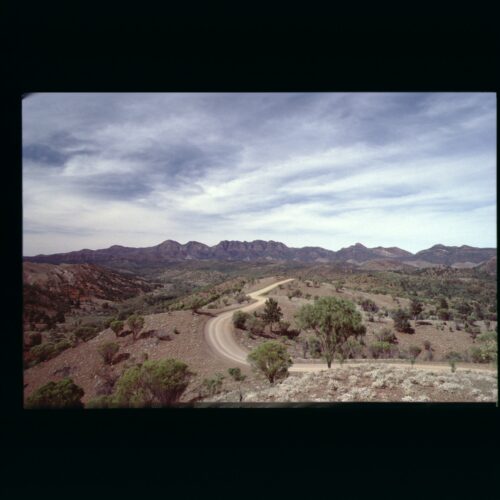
(325,170)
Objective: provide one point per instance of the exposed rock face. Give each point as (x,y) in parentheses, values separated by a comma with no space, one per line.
(259,250)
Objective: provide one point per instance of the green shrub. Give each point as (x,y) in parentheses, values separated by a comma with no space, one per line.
(401,321)
(272,359)
(107,350)
(213,386)
(387,335)
(154,383)
(117,327)
(380,349)
(85,333)
(351,348)
(49,350)
(236,374)
(453,357)
(136,324)
(239,319)
(62,394)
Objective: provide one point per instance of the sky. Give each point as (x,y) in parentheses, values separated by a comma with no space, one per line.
(306,169)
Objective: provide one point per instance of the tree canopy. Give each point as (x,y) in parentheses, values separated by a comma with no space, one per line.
(334,320)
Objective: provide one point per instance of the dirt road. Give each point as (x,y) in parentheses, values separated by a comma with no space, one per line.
(219,336)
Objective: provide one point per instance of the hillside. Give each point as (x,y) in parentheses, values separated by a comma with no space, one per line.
(52,290)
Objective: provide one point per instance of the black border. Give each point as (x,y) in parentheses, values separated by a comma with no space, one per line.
(191,48)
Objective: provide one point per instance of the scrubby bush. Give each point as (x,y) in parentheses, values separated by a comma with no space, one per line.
(254,325)
(352,348)
(414,351)
(453,358)
(401,321)
(136,324)
(62,394)
(487,345)
(241,297)
(117,327)
(380,349)
(49,350)
(240,318)
(387,335)
(369,306)
(107,350)
(153,383)
(213,386)
(272,359)
(85,333)
(236,374)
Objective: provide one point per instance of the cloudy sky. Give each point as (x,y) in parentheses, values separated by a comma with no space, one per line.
(313,169)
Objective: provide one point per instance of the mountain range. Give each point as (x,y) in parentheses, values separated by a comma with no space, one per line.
(259,250)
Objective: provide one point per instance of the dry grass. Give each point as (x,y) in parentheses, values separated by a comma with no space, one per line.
(377,383)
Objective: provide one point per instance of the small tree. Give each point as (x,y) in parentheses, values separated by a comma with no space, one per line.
(117,327)
(416,307)
(272,359)
(401,323)
(333,320)
(136,324)
(108,351)
(272,313)
(453,357)
(414,351)
(62,394)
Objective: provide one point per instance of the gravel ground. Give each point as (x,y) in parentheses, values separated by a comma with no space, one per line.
(375,382)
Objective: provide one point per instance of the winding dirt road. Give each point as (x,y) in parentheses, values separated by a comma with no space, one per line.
(220,338)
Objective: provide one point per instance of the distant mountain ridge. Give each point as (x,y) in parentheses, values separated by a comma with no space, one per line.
(260,250)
